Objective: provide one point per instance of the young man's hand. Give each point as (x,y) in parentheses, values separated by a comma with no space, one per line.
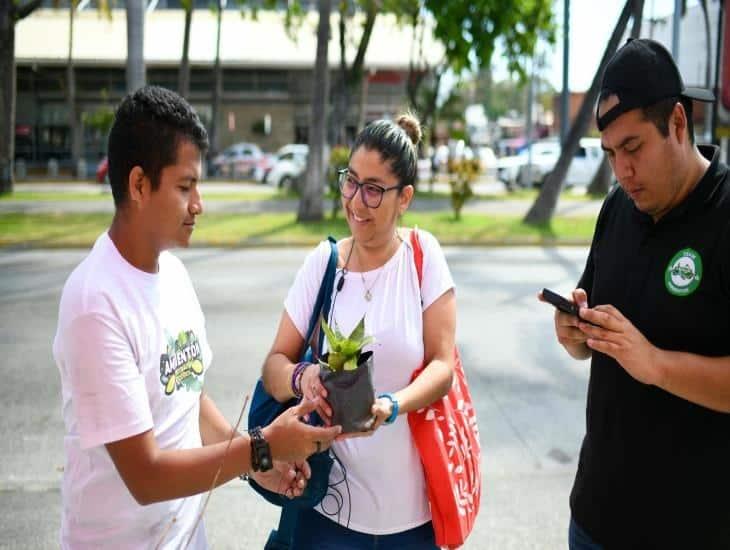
(286,478)
(291,439)
(566,327)
(609,332)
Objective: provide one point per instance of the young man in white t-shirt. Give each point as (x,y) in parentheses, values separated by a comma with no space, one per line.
(143,440)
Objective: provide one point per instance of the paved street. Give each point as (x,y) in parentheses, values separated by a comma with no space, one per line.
(530,396)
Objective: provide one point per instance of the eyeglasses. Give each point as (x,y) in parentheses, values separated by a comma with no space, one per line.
(372,194)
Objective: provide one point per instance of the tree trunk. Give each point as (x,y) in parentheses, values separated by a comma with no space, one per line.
(7,95)
(73,116)
(350,79)
(218,83)
(542,210)
(310,204)
(356,72)
(338,120)
(11,11)
(135,45)
(418,76)
(601,182)
(183,80)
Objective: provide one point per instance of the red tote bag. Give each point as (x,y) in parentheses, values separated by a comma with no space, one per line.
(447,438)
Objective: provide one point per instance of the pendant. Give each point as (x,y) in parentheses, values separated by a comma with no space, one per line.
(368,295)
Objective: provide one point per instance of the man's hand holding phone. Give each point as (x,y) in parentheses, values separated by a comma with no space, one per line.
(567,321)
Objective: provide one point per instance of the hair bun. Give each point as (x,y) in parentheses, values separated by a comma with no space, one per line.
(412,127)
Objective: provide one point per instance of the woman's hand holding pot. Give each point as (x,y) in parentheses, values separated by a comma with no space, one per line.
(312,388)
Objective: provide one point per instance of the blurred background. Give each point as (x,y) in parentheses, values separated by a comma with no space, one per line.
(499,82)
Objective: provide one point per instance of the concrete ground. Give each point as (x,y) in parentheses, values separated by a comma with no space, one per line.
(530,396)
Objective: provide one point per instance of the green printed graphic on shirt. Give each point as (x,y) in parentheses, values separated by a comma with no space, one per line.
(182,365)
(684,272)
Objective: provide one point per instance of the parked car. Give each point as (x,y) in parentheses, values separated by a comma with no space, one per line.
(289,166)
(269,160)
(488,160)
(545,154)
(238,161)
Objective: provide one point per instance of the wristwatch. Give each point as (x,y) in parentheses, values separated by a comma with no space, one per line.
(260,451)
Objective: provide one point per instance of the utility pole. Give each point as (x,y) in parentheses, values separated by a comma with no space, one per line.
(527,172)
(675,29)
(565,97)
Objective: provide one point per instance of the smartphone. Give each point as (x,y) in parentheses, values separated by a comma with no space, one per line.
(563,304)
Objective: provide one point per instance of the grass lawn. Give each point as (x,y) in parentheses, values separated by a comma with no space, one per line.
(74,196)
(80,230)
(267,194)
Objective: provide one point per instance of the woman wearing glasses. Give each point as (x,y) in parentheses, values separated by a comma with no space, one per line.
(377,489)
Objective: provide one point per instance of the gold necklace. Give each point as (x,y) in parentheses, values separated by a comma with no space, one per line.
(368,295)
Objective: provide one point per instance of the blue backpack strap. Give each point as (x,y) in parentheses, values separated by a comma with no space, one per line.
(323,302)
(281,537)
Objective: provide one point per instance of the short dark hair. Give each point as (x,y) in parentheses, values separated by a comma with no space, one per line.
(396,142)
(660,112)
(149,124)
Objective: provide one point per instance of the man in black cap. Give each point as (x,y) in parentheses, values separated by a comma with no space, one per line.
(654,468)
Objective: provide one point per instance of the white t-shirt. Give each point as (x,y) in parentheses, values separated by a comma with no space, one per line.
(387,489)
(132,351)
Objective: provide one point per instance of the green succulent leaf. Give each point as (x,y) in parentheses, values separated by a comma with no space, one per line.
(344,351)
(336,360)
(328,332)
(358,332)
(349,348)
(367,340)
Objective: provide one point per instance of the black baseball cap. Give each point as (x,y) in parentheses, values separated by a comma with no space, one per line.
(641,73)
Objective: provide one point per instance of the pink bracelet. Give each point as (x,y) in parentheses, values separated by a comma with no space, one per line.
(296,379)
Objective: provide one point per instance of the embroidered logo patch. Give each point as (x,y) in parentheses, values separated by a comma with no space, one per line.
(182,365)
(684,272)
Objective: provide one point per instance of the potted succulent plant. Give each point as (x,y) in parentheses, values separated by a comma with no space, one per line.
(347,375)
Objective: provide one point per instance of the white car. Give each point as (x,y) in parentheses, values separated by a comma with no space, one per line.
(545,154)
(289,166)
(238,161)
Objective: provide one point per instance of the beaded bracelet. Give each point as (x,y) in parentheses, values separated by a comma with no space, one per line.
(296,379)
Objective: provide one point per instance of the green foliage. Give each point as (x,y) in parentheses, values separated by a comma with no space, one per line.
(344,351)
(100,119)
(339,157)
(463,173)
(469,30)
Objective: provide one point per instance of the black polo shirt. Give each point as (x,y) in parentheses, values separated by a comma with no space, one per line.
(654,469)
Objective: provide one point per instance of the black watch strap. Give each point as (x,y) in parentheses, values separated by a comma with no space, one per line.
(260,451)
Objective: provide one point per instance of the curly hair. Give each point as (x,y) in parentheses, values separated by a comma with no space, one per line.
(148,127)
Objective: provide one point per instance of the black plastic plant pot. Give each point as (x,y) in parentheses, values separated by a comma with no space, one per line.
(350,393)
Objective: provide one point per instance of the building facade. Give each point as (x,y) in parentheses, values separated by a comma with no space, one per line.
(267,75)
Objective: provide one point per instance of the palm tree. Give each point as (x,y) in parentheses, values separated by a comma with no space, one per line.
(310,204)
(135,45)
(218,79)
(349,78)
(11,11)
(73,121)
(544,206)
